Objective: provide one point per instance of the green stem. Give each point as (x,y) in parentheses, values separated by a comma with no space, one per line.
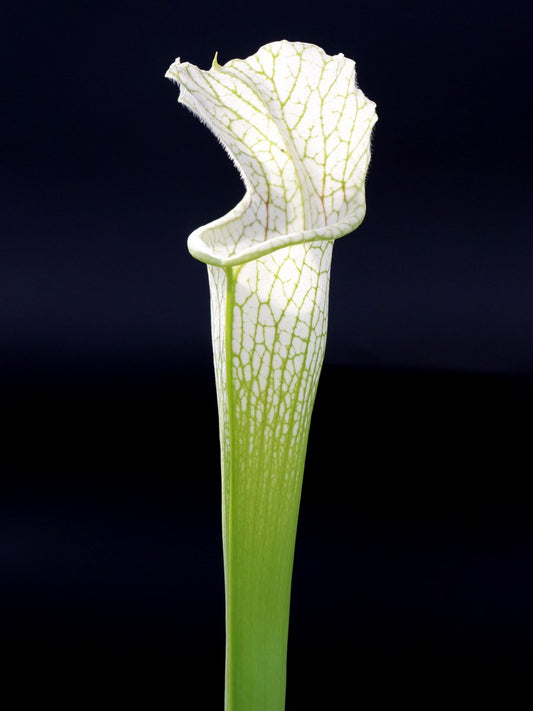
(267,367)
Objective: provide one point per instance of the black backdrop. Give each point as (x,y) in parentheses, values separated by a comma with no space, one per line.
(413,564)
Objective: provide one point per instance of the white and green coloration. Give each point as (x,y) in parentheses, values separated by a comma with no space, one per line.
(298,128)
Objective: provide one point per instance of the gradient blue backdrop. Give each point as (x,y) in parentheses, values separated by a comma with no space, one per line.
(414,568)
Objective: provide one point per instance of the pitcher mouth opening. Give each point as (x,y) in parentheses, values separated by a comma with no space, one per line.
(199,249)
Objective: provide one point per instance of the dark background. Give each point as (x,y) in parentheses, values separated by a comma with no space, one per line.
(414,569)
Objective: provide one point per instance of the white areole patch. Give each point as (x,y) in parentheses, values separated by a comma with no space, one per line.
(298,129)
